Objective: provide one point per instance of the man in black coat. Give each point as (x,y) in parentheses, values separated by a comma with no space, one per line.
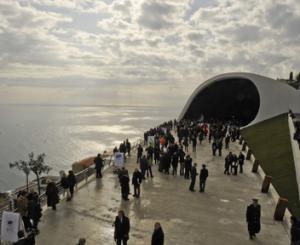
(203,176)
(193,177)
(136,181)
(158,235)
(98,165)
(139,153)
(125,185)
(253,218)
(241,160)
(72,182)
(187,166)
(144,166)
(122,228)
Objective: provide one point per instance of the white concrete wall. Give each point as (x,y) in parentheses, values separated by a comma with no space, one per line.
(275,97)
(296,151)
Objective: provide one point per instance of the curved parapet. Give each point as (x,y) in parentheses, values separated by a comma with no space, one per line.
(247,97)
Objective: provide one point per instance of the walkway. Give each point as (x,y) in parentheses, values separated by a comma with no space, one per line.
(215,217)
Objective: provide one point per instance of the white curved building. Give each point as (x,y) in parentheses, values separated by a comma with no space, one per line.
(249,98)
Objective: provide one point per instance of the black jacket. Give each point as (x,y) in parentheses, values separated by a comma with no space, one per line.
(122,228)
(194,172)
(158,237)
(72,180)
(98,162)
(64,182)
(253,218)
(125,183)
(203,173)
(137,178)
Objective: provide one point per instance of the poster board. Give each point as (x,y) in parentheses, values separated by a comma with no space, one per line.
(10,225)
(119,159)
(151,140)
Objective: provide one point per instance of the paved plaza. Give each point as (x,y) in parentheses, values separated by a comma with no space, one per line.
(215,217)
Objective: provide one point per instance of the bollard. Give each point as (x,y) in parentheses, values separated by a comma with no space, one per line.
(255,166)
(244,146)
(241,140)
(249,153)
(266,184)
(280,208)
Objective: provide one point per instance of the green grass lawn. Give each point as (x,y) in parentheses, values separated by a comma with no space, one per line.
(270,143)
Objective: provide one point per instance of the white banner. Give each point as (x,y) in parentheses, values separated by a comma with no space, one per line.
(151,140)
(11,224)
(119,159)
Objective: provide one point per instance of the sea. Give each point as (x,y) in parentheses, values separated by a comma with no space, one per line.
(67,134)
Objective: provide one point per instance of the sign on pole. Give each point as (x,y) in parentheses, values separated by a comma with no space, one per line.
(119,159)
(11,224)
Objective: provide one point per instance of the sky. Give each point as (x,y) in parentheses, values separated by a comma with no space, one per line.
(139,52)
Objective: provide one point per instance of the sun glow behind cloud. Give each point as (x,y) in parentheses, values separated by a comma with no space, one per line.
(138,52)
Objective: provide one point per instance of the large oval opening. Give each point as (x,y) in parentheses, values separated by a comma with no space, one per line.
(234,98)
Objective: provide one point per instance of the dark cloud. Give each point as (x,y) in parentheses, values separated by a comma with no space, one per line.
(155,15)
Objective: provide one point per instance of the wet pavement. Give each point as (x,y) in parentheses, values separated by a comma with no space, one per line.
(215,217)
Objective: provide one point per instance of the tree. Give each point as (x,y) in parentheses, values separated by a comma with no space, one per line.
(22,166)
(38,167)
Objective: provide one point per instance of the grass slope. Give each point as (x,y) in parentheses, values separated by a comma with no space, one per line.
(270,142)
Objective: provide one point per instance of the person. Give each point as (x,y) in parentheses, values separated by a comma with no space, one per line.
(52,195)
(234,165)
(228,162)
(193,177)
(214,148)
(156,155)
(194,143)
(122,228)
(186,144)
(181,160)
(34,211)
(241,160)
(149,168)
(22,240)
(253,218)
(65,184)
(203,176)
(144,165)
(187,166)
(81,241)
(219,146)
(139,153)
(158,235)
(227,140)
(175,159)
(295,231)
(128,147)
(136,181)
(125,185)
(72,182)
(22,209)
(98,165)
(150,152)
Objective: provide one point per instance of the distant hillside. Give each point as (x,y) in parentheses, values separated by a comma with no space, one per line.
(270,142)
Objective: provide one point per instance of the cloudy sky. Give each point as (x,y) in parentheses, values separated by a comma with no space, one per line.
(149,52)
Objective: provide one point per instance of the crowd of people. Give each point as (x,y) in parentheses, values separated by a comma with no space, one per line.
(169,148)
